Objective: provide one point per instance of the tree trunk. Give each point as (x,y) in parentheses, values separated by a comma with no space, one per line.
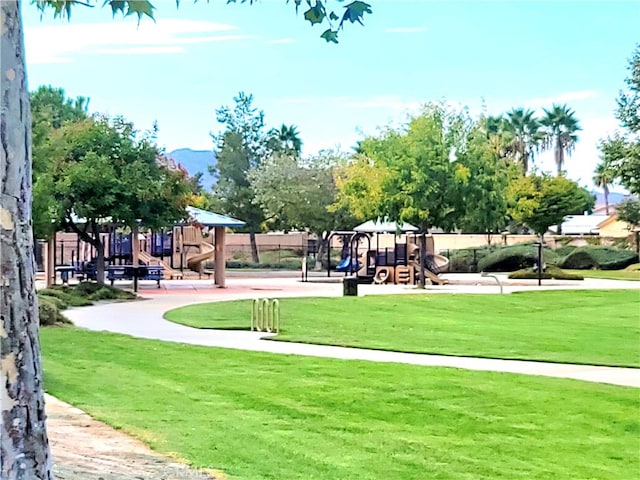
(606,199)
(421,260)
(99,246)
(24,448)
(255,258)
(320,251)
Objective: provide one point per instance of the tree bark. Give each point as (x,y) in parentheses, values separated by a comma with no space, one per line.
(422,255)
(24,448)
(255,258)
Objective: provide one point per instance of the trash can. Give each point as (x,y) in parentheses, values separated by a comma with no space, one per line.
(350,287)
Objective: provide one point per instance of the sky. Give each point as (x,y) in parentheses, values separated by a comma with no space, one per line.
(489,56)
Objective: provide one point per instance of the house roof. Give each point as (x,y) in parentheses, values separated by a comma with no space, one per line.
(582,224)
(210,219)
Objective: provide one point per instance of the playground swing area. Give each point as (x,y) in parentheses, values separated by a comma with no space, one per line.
(384,252)
(169,254)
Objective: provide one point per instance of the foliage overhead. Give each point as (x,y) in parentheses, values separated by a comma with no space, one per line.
(318,12)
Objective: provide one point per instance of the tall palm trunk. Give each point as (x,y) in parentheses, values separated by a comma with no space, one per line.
(25,450)
(605,188)
(559,155)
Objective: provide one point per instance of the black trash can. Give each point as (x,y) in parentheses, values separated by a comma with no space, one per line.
(350,287)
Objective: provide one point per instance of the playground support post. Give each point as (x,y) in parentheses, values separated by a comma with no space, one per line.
(539,245)
(219,259)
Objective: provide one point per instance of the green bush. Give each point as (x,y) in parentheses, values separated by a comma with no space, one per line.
(106,292)
(515,257)
(604,258)
(550,273)
(283,265)
(54,299)
(565,250)
(49,313)
(467,259)
(67,295)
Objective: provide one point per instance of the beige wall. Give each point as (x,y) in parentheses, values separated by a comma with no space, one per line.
(616,229)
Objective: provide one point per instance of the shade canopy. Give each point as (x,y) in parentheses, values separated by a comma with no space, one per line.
(210,219)
(384,226)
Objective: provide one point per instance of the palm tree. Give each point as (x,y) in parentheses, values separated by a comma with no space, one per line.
(561,128)
(526,136)
(285,139)
(603,177)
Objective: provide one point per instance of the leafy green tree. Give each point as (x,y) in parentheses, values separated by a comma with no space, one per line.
(285,140)
(240,149)
(561,133)
(50,110)
(622,152)
(541,201)
(483,193)
(603,177)
(25,451)
(524,136)
(299,194)
(100,172)
(629,102)
(629,211)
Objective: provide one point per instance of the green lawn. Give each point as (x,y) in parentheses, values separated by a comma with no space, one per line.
(263,416)
(591,327)
(609,274)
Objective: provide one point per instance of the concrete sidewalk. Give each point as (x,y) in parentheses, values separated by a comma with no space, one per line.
(144,319)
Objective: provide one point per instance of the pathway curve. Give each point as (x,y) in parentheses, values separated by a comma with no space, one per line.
(144,319)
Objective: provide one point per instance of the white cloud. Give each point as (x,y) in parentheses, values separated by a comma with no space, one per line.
(141,50)
(280,41)
(565,97)
(406,29)
(62,43)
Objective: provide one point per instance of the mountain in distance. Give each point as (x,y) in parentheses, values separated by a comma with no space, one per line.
(196,161)
(614,197)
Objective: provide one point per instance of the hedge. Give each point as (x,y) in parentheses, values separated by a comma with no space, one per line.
(604,258)
(516,257)
(550,273)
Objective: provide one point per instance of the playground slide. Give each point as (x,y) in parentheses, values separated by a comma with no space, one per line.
(169,273)
(439,262)
(435,279)
(207,252)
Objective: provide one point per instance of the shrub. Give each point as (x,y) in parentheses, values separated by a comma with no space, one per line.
(516,257)
(466,260)
(49,313)
(565,250)
(106,292)
(67,295)
(282,265)
(551,273)
(55,299)
(605,258)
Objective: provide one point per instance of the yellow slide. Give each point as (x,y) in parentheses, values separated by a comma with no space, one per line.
(207,252)
(169,273)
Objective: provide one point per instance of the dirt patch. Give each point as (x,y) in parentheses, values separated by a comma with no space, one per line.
(85,449)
